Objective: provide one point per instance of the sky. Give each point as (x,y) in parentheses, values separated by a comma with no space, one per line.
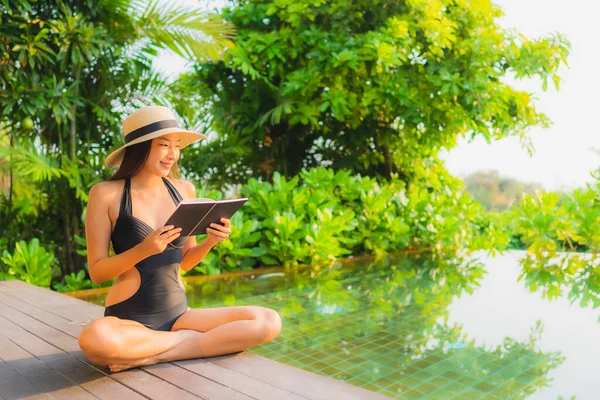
(564,154)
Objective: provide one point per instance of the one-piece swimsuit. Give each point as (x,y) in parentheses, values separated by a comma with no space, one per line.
(160,300)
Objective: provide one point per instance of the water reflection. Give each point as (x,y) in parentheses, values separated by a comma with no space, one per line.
(383,325)
(555,274)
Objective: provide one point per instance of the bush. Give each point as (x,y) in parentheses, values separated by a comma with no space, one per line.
(30,263)
(553,229)
(320,215)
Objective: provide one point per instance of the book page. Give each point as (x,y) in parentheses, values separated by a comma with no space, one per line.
(198,200)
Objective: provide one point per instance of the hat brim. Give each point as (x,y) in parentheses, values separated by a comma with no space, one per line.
(115,158)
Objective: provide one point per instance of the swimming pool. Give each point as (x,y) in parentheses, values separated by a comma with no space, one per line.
(413,327)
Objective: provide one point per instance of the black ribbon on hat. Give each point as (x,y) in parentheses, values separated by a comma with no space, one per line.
(147,129)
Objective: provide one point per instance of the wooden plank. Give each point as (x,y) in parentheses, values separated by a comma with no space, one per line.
(240,382)
(44,380)
(144,383)
(204,368)
(91,379)
(58,322)
(180,377)
(14,385)
(88,377)
(16,320)
(152,386)
(298,381)
(75,310)
(207,385)
(194,383)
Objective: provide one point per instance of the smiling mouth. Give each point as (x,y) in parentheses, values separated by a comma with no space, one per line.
(166,165)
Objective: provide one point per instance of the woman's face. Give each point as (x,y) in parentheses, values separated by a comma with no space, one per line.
(164,152)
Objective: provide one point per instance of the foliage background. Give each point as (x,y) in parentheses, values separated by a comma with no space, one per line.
(330,115)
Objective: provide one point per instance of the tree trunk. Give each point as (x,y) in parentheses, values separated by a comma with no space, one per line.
(10,187)
(10,191)
(72,226)
(73,125)
(386,168)
(294,145)
(68,244)
(388,162)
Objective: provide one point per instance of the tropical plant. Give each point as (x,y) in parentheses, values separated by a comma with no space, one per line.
(69,72)
(374,87)
(563,243)
(321,215)
(239,252)
(30,263)
(74,282)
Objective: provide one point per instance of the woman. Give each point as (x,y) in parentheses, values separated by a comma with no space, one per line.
(146,319)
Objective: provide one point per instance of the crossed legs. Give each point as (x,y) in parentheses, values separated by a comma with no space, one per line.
(204,332)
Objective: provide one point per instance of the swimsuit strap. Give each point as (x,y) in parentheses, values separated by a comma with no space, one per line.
(172,191)
(125,208)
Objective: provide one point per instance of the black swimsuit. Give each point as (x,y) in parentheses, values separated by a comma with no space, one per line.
(159,300)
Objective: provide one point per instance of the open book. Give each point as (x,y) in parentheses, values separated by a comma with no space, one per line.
(195,215)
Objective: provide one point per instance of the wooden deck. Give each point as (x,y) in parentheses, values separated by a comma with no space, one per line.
(40,359)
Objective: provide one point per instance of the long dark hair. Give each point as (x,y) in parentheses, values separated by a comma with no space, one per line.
(134,159)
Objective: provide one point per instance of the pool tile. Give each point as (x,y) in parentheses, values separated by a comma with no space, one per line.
(437,369)
(426,388)
(452,375)
(356,381)
(385,382)
(460,396)
(439,381)
(318,365)
(423,375)
(410,382)
(471,393)
(484,386)
(505,393)
(412,394)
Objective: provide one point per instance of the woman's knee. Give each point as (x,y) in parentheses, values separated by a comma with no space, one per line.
(100,339)
(269,324)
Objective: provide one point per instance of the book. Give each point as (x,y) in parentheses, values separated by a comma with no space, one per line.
(195,215)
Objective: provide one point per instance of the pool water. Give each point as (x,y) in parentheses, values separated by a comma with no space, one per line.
(416,327)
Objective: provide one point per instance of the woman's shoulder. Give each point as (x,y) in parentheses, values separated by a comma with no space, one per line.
(184,187)
(106,189)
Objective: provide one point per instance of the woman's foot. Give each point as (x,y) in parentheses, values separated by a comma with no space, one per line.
(122,366)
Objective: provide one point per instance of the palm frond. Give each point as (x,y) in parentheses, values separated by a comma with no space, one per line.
(142,52)
(194,34)
(29,161)
(286,107)
(152,88)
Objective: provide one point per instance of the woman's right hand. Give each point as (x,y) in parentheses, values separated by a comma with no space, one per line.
(157,241)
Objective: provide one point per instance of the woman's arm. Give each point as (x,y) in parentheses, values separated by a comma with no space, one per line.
(195,254)
(97,232)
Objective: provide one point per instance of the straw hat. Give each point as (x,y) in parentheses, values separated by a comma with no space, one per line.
(148,123)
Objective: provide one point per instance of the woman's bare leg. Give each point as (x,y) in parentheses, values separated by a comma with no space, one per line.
(198,333)
(110,340)
(215,331)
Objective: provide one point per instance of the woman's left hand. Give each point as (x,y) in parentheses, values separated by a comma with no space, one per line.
(218,233)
